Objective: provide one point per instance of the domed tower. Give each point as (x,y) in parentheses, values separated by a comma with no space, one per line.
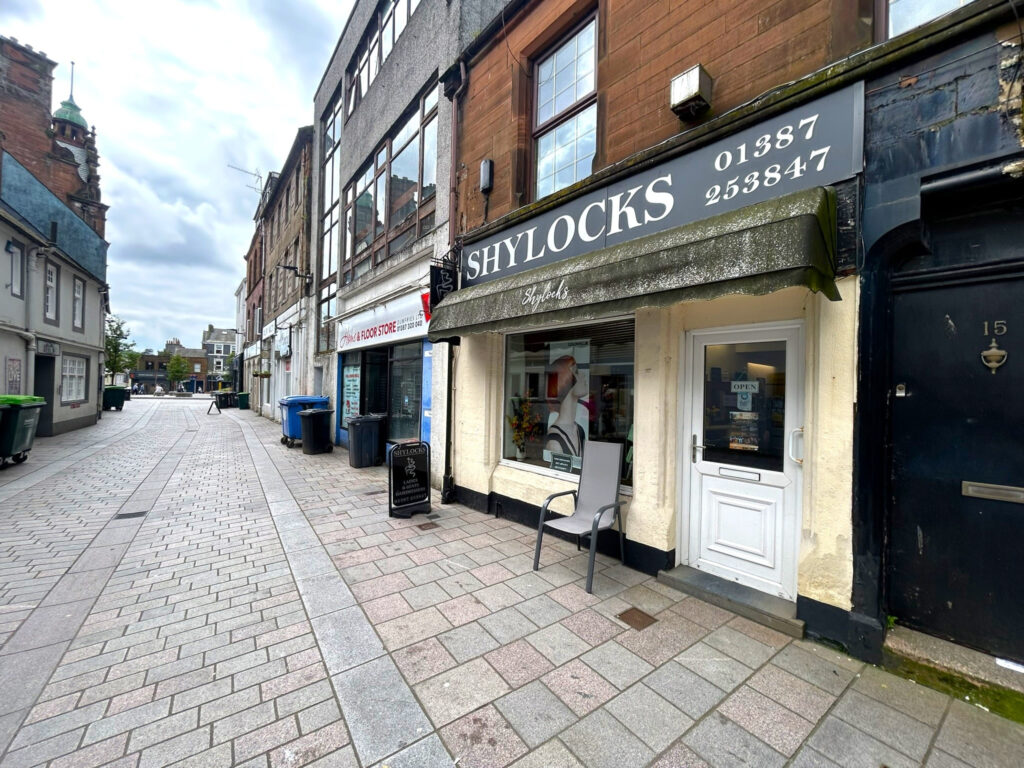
(71,134)
(68,124)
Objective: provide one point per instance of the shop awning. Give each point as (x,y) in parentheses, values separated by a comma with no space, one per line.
(756,250)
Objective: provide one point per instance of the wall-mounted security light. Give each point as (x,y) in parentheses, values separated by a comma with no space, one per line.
(9,248)
(690,93)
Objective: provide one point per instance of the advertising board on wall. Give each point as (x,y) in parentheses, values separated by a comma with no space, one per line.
(401,319)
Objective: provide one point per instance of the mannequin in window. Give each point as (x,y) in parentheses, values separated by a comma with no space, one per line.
(565,388)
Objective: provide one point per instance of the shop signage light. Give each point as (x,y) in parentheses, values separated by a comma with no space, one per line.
(814,145)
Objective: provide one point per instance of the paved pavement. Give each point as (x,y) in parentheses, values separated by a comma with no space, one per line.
(178,588)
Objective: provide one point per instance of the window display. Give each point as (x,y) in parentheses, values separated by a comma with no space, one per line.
(566,386)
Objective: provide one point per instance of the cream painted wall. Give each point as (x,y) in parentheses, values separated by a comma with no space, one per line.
(825,559)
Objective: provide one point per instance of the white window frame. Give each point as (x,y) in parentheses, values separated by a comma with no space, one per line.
(550,125)
(78,304)
(51,294)
(17,269)
(74,384)
(921,12)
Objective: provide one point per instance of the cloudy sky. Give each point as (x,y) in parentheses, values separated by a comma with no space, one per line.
(178,91)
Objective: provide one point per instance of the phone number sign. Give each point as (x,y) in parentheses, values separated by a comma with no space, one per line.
(816,144)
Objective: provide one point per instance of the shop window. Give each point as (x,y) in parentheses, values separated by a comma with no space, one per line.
(903,15)
(390,202)
(73,375)
(17,251)
(405,391)
(51,294)
(385,380)
(379,40)
(78,304)
(565,386)
(565,127)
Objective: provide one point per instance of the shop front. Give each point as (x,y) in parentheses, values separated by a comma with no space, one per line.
(384,367)
(701,312)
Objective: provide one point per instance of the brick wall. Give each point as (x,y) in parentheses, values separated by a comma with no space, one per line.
(26,104)
(748,47)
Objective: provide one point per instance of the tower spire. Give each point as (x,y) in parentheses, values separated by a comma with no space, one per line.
(72,96)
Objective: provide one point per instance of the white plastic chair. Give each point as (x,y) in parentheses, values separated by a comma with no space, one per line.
(596,504)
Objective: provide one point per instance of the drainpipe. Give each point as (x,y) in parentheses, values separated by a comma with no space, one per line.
(448,480)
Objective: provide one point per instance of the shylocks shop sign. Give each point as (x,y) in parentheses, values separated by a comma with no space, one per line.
(814,145)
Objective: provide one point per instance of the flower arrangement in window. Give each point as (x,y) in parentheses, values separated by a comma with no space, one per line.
(524,424)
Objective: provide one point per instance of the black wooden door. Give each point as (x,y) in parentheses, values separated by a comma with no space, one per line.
(955,562)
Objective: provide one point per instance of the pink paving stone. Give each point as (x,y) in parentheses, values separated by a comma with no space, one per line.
(310,747)
(52,708)
(591,626)
(403,533)
(426,555)
(481,540)
(580,687)
(771,722)
(357,557)
(573,597)
(343,535)
(292,681)
(381,586)
(463,610)
(387,607)
(483,739)
(131,699)
(519,663)
(492,573)
(451,534)
(667,637)
(422,660)
(680,756)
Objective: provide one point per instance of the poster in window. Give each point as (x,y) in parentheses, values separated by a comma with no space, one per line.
(567,390)
(13,368)
(349,393)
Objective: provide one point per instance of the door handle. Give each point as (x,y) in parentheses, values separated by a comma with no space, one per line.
(694,447)
(792,438)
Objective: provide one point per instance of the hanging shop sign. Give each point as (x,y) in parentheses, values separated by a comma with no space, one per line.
(817,144)
(409,479)
(403,318)
(442,282)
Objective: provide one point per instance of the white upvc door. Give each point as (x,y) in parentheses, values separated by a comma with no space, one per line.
(741,445)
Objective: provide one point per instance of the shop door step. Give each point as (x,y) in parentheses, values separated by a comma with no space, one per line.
(961,672)
(773,612)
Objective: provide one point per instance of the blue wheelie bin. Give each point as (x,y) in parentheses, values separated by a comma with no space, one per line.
(291,423)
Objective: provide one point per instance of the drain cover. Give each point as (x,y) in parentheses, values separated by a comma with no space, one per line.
(374,493)
(124,515)
(637,619)
(427,526)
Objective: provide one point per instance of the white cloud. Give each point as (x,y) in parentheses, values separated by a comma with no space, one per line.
(178,91)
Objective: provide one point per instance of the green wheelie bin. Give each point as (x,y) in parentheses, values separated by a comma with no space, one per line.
(243,401)
(18,422)
(113,397)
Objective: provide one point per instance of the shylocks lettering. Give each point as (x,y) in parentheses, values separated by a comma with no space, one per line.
(535,296)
